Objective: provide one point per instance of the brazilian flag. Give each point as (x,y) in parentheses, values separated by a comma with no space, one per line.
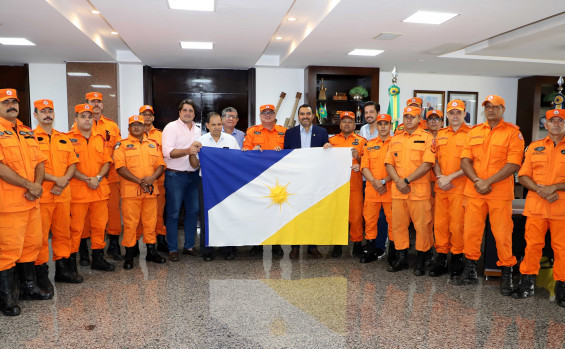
(322,111)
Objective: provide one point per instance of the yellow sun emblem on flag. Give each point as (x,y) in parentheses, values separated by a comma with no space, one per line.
(278,194)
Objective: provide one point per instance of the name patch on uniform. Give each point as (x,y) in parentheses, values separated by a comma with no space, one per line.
(73,140)
(257,132)
(355,142)
(419,141)
(377,147)
(395,154)
(23,133)
(281,133)
(62,141)
(30,133)
(117,145)
(1,133)
(130,145)
(151,146)
(40,138)
(8,133)
(563,152)
(539,148)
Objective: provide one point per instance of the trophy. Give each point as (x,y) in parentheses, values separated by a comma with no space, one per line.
(322,95)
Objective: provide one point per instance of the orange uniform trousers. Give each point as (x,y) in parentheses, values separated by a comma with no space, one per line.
(500,213)
(420,213)
(136,211)
(160,227)
(448,224)
(98,218)
(356,215)
(371,213)
(55,216)
(20,237)
(536,228)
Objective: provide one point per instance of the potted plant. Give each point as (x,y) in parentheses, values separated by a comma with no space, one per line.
(358,93)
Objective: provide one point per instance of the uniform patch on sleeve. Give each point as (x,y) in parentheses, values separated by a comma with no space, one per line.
(520,136)
(117,145)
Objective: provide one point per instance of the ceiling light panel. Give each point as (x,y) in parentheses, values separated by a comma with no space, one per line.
(78,74)
(364,52)
(428,17)
(387,36)
(101,86)
(16,42)
(192,5)
(196,45)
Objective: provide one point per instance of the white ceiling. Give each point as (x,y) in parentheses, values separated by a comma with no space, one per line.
(493,38)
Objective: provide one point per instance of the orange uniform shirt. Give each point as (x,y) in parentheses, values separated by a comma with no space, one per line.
(545,165)
(449,146)
(490,151)
(20,152)
(60,154)
(352,141)
(157,135)
(111,133)
(92,153)
(267,139)
(407,152)
(141,158)
(374,155)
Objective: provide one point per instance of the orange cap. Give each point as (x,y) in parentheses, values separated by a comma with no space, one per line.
(412,111)
(384,117)
(495,100)
(93,95)
(135,118)
(7,93)
(347,114)
(555,113)
(436,112)
(456,104)
(416,100)
(42,104)
(79,108)
(266,106)
(146,107)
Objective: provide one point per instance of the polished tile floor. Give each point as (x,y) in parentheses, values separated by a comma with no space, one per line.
(266,302)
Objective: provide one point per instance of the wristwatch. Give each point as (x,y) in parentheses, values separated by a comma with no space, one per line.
(406,181)
(383,182)
(99,178)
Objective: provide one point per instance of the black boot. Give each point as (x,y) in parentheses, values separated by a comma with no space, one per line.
(456,265)
(162,245)
(337,251)
(357,249)
(83,251)
(526,287)
(153,256)
(63,272)
(421,263)
(99,263)
(42,275)
(506,282)
(72,264)
(400,261)
(469,274)
(440,266)
(560,293)
(113,249)
(136,251)
(28,283)
(128,261)
(255,250)
(391,255)
(369,254)
(277,250)
(8,302)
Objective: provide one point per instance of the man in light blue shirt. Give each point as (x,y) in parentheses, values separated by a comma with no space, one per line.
(369,130)
(229,120)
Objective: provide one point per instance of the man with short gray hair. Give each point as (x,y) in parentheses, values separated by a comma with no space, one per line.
(229,120)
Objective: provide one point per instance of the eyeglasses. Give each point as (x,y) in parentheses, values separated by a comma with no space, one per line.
(434,119)
(232,116)
(270,113)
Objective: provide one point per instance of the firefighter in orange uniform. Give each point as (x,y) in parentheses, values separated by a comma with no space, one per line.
(139,163)
(410,157)
(415,102)
(378,188)
(89,187)
(21,174)
(543,173)
(493,152)
(347,138)
(450,183)
(55,203)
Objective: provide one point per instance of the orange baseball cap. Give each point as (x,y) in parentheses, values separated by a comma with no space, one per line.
(136,118)
(80,108)
(456,104)
(384,117)
(7,93)
(434,112)
(146,107)
(43,103)
(495,100)
(416,100)
(412,111)
(93,95)
(266,106)
(555,113)
(347,114)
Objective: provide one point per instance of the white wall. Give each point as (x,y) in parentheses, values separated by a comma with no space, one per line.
(130,90)
(270,82)
(49,81)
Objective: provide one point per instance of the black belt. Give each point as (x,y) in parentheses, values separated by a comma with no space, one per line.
(170,169)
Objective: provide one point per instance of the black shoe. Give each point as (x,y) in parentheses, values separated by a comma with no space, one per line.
(456,265)
(207,257)
(42,275)
(337,251)
(28,283)
(113,249)
(162,245)
(369,253)
(99,263)
(136,251)
(8,302)
(400,262)
(440,266)
(469,274)
(63,272)
(391,255)
(421,263)
(128,260)
(72,264)
(357,249)
(380,253)
(83,252)
(255,250)
(560,293)
(506,282)
(526,287)
(153,256)
(277,250)
(429,258)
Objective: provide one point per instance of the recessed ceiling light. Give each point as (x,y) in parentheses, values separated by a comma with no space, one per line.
(428,17)
(196,45)
(114,33)
(192,5)
(112,95)
(279,37)
(387,36)
(363,52)
(101,86)
(16,41)
(77,74)
(95,12)
(292,19)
